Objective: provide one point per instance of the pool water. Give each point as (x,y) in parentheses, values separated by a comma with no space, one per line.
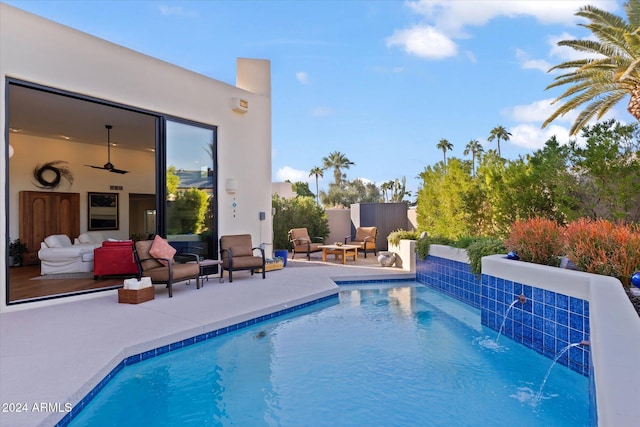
(382,356)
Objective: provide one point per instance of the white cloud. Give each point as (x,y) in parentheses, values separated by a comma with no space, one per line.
(446,20)
(471,57)
(529,134)
(533,137)
(366,181)
(287,173)
(531,64)
(538,111)
(302,77)
(175,10)
(322,112)
(423,41)
(457,14)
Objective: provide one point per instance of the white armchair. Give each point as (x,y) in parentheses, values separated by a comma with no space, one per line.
(58,255)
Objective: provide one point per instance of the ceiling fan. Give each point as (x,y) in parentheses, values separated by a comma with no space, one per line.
(109,166)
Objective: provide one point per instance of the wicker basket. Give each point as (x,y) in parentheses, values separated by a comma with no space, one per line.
(128,296)
(270,264)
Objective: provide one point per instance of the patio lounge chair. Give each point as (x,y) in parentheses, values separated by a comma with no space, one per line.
(365,238)
(237,253)
(302,243)
(161,268)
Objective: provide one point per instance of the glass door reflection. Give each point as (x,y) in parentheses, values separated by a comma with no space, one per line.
(190,202)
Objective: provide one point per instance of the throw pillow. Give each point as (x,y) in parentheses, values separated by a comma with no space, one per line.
(58,241)
(91,237)
(160,248)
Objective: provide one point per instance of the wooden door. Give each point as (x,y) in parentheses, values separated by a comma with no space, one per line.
(45,213)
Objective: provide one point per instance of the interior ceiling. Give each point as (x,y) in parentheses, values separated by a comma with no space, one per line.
(44,114)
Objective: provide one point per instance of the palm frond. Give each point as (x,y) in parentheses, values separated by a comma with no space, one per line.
(632,9)
(600,82)
(597,108)
(632,72)
(600,16)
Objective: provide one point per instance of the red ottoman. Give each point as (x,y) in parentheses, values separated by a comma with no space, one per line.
(114,259)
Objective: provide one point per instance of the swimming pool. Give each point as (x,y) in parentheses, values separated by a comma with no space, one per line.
(384,355)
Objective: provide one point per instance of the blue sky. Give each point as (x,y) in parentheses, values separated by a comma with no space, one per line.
(380,81)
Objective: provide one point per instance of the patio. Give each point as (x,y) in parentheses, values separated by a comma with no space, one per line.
(57,354)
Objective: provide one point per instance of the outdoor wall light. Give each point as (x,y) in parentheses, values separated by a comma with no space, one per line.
(10,151)
(239,105)
(231,185)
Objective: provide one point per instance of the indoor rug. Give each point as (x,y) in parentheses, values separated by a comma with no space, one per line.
(65,276)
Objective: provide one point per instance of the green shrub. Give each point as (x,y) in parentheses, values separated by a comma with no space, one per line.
(395,236)
(422,247)
(482,247)
(440,240)
(297,213)
(465,241)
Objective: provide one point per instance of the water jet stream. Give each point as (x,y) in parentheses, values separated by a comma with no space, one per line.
(546,377)
(522,299)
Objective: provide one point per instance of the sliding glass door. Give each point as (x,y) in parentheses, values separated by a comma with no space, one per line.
(190,215)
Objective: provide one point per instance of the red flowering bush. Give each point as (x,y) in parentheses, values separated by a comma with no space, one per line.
(536,240)
(602,247)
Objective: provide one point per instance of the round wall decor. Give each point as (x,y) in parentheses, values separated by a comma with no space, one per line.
(49,175)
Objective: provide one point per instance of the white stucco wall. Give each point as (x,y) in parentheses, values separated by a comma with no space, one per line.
(614,331)
(60,57)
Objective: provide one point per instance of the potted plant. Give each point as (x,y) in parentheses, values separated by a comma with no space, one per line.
(16,249)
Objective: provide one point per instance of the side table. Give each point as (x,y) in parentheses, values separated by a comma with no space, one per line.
(206,265)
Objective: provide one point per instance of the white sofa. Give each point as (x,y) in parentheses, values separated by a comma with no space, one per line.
(58,255)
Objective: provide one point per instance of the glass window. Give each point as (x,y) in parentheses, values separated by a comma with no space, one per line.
(191,160)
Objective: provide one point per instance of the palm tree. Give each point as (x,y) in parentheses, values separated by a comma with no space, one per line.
(610,74)
(445,146)
(318,172)
(386,186)
(474,148)
(337,161)
(499,133)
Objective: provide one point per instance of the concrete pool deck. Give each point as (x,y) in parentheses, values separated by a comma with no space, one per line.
(54,355)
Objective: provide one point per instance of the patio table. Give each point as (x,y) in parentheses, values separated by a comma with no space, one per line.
(339,250)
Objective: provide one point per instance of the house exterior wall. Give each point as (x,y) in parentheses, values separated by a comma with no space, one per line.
(57,56)
(339,224)
(283,189)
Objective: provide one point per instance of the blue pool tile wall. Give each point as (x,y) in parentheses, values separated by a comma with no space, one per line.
(547,322)
(453,278)
(136,358)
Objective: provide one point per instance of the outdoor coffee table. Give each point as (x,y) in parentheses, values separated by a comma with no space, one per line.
(339,250)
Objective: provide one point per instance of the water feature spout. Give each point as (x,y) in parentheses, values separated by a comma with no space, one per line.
(522,299)
(546,377)
(585,343)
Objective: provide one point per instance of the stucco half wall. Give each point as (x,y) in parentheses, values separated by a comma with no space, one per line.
(62,58)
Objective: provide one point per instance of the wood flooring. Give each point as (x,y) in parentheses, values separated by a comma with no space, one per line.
(21,287)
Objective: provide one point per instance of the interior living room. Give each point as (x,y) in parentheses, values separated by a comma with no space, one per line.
(100,160)
(102,143)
